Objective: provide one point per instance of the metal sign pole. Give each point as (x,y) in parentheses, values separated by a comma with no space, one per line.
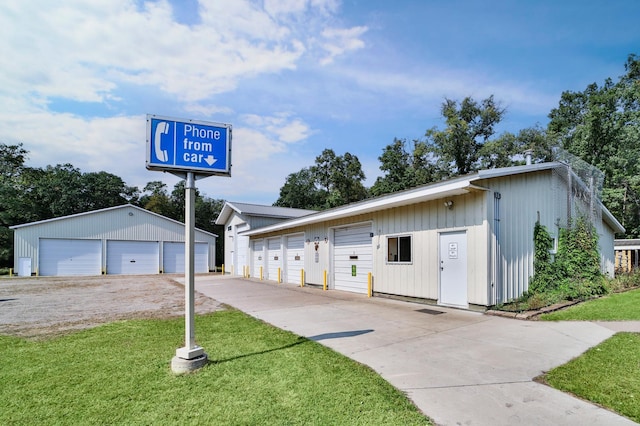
(190,352)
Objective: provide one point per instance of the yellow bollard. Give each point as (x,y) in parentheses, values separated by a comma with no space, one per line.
(223,269)
(278,275)
(324,280)
(10,272)
(301,277)
(261,276)
(369,286)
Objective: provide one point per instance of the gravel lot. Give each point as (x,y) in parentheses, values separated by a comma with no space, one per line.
(40,306)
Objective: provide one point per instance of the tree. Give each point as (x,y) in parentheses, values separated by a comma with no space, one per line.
(601,125)
(404,169)
(469,125)
(340,176)
(300,191)
(334,180)
(156,199)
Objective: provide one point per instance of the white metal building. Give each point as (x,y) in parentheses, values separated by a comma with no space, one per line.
(465,242)
(117,240)
(240,217)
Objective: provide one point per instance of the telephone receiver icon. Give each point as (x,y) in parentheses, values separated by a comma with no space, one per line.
(161,129)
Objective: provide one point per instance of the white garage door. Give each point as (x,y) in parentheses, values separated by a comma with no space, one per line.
(241,258)
(274,258)
(173,258)
(352,258)
(70,257)
(258,262)
(133,257)
(294,257)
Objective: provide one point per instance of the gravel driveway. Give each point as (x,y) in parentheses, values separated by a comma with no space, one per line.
(40,306)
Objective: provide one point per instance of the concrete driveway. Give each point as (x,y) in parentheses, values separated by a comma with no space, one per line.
(459,367)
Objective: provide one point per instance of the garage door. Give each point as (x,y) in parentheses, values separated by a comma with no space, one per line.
(294,258)
(352,258)
(133,257)
(258,247)
(173,258)
(241,259)
(274,258)
(70,257)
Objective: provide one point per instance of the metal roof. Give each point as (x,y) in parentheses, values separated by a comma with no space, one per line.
(433,191)
(124,206)
(247,209)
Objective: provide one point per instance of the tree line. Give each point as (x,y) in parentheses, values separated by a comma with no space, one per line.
(600,125)
(30,194)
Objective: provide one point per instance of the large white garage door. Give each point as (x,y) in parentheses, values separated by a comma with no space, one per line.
(133,257)
(274,258)
(294,247)
(70,257)
(352,258)
(173,258)
(258,262)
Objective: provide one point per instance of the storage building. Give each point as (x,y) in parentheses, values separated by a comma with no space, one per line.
(465,242)
(117,240)
(240,217)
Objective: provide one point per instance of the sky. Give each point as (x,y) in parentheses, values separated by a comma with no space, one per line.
(292,77)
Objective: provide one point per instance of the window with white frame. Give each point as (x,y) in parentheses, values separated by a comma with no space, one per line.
(399,249)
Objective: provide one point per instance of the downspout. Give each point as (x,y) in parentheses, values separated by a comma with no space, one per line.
(497,275)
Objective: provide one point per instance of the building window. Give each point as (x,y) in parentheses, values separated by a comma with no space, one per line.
(399,249)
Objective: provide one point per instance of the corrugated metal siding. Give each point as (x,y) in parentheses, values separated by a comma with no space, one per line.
(522,198)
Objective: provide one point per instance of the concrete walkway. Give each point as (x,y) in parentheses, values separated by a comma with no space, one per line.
(459,367)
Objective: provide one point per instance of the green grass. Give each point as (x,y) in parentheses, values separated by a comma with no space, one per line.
(120,373)
(615,307)
(608,374)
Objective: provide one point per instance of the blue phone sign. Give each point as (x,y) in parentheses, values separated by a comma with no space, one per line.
(188,145)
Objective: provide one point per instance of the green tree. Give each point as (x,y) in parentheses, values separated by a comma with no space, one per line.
(300,191)
(155,198)
(403,169)
(601,125)
(340,176)
(469,126)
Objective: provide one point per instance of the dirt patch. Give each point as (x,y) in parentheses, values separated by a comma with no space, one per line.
(41,306)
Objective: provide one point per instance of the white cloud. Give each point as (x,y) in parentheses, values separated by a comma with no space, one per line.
(338,41)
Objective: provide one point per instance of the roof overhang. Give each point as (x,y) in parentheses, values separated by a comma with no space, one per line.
(446,189)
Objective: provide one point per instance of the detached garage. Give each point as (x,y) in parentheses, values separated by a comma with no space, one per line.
(117,240)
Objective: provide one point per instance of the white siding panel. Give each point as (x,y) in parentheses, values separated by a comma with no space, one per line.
(353,258)
(133,257)
(65,257)
(173,258)
(274,258)
(294,257)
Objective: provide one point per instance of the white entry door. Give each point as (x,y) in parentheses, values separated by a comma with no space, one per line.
(453,269)
(24,267)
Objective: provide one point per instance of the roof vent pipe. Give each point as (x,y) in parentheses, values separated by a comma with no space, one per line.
(527,156)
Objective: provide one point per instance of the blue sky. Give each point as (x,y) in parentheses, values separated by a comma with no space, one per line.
(293,77)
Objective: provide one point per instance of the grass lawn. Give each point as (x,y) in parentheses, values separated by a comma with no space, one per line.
(608,374)
(120,374)
(615,307)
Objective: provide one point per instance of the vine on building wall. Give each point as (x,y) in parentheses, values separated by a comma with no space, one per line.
(574,272)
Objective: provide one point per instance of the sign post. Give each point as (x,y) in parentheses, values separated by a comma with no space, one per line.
(191,150)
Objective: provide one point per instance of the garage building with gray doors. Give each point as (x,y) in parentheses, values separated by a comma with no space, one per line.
(118,240)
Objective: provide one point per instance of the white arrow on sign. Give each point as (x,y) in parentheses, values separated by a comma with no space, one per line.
(210,159)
